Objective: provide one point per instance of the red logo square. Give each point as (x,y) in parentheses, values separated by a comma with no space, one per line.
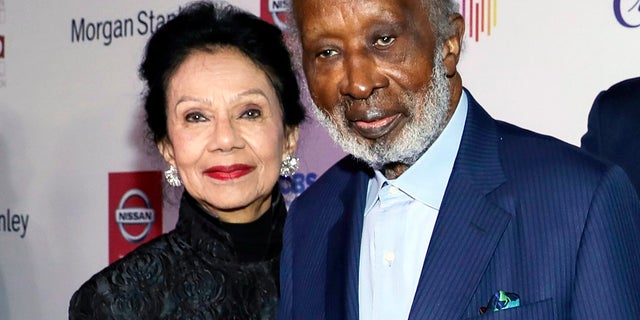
(135,210)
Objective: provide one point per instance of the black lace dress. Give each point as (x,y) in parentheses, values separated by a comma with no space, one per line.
(203,269)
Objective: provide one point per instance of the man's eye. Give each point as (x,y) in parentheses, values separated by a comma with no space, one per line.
(195,117)
(384,41)
(252,114)
(327,53)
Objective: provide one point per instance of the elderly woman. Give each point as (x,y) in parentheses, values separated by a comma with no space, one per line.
(223,108)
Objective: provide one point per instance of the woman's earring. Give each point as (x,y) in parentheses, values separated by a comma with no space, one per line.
(289,166)
(172,177)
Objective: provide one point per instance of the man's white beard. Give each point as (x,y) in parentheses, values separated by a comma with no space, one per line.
(428,108)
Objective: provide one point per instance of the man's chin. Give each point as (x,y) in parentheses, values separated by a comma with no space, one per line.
(368,151)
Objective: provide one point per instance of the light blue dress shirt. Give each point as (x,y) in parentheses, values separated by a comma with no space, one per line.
(399,219)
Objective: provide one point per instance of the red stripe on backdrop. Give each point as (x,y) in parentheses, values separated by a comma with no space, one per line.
(482,15)
(471,19)
(477,18)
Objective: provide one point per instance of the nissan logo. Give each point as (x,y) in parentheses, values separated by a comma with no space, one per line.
(135,215)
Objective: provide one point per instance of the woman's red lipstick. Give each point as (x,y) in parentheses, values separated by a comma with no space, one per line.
(231,172)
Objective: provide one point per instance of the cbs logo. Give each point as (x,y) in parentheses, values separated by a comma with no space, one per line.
(297,183)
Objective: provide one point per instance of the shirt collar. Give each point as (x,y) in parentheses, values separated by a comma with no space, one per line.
(426,180)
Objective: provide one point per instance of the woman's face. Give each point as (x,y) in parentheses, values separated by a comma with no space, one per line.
(225,133)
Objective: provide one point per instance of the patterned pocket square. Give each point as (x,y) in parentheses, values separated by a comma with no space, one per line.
(501,300)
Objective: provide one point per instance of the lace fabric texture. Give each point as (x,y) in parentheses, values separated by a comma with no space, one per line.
(191,272)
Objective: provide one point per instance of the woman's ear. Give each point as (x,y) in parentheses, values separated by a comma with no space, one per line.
(290,140)
(166,150)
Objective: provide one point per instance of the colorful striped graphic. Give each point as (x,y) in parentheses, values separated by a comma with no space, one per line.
(481,16)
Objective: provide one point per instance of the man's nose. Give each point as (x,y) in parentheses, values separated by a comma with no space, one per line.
(361,76)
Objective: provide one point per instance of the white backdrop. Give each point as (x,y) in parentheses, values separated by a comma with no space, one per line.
(70,114)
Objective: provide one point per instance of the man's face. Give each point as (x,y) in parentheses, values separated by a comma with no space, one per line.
(369,67)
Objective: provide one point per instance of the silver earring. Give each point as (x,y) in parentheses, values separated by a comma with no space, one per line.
(289,166)
(172,177)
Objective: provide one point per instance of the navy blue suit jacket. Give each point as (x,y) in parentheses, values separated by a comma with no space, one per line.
(614,127)
(522,212)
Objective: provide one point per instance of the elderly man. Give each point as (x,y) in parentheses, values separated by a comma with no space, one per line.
(440,211)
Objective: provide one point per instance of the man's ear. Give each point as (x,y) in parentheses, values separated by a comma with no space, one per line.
(452,46)
(166,150)
(290,140)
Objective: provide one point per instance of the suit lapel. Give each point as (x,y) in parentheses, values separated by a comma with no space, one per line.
(355,238)
(469,226)
(343,255)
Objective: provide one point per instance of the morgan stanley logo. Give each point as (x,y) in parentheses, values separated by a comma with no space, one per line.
(481,16)
(1,46)
(135,215)
(3,80)
(627,12)
(2,12)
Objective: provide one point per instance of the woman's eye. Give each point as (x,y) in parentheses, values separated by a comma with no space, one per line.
(252,114)
(195,117)
(384,41)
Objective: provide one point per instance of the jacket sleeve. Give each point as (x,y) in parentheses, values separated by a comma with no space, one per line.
(607,282)
(285,310)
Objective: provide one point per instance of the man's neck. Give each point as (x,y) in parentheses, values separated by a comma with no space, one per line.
(394,170)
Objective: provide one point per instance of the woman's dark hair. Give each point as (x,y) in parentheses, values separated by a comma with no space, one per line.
(202,26)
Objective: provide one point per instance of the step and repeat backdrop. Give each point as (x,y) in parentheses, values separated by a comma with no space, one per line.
(75,162)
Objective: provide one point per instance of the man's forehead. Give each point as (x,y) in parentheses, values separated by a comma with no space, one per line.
(326,4)
(330,9)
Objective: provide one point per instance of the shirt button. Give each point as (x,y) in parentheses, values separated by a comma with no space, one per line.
(393,190)
(389,256)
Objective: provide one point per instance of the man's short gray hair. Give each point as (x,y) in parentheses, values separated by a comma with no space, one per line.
(439,13)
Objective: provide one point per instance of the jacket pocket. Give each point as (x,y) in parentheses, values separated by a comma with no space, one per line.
(544,309)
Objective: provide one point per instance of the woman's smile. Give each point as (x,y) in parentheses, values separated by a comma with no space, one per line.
(231,172)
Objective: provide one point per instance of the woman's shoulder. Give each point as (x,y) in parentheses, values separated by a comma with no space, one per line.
(167,277)
(127,281)
(156,253)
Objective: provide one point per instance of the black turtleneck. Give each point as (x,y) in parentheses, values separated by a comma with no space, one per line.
(251,240)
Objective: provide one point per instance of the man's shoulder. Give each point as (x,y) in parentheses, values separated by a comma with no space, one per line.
(339,174)
(632,84)
(524,147)
(343,177)
(624,95)
(519,143)
(532,160)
